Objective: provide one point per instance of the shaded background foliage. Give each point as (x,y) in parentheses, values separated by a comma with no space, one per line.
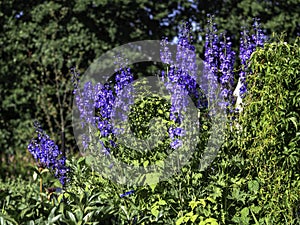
(42,40)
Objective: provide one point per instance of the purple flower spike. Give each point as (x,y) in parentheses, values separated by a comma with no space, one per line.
(165,54)
(47,154)
(211,55)
(104,99)
(227,58)
(248,44)
(180,79)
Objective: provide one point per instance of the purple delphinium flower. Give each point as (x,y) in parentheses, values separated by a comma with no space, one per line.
(246,49)
(258,37)
(185,55)
(124,92)
(248,44)
(227,59)
(114,102)
(211,47)
(211,61)
(126,193)
(176,132)
(85,141)
(97,104)
(176,143)
(104,102)
(48,155)
(84,99)
(165,54)
(181,79)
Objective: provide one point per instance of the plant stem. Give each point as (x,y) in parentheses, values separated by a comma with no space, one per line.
(41,188)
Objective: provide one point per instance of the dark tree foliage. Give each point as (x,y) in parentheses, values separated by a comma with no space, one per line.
(230,15)
(41,41)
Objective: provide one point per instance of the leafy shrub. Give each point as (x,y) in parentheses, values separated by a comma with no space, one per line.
(270,136)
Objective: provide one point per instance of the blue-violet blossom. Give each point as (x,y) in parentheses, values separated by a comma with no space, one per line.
(48,155)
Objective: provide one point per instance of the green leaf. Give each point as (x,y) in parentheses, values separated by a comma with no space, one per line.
(211,221)
(162,202)
(45,171)
(146,163)
(81,160)
(244,212)
(54,219)
(294,121)
(152,178)
(160,163)
(193,218)
(71,216)
(180,220)
(253,186)
(154,211)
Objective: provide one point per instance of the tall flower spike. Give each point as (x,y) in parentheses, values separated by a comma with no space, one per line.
(246,49)
(227,58)
(181,81)
(258,37)
(113,102)
(211,54)
(186,56)
(165,54)
(211,46)
(47,154)
(248,45)
(84,99)
(97,97)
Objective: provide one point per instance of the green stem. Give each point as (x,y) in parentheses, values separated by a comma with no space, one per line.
(41,187)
